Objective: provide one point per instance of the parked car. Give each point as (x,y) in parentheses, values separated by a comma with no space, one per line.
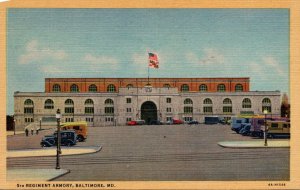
(131,123)
(177,121)
(156,122)
(245,129)
(68,138)
(211,120)
(195,122)
(140,122)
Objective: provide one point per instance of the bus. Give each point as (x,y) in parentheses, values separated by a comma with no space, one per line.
(278,128)
(80,128)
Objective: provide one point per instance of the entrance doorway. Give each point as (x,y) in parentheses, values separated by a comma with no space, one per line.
(148,112)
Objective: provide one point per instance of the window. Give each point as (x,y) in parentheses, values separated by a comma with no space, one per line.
(185,88)
(129,86)
(221,88)
(266,105)
(89,102)
(227,109)
(69,106)
(89,110)
(28,102)
(169,109)
(128,119)
(109,102)
(74,88)
(167,86)
(168,100)
(69,119)
(28,120)
(28,106)
(49,104)
(227,101)
(207,106)
(203,88)
(188,109)
(111,88)
(69,102)
(274,125)
(239,88)
(188,119)
(128,100)
(92,88)
(109,110)
(188,101)
(109,119)
(128,109)
(89,119)
(56,88)
(227,105)
(246,103)
(28,110)
(169,118)
(69,109)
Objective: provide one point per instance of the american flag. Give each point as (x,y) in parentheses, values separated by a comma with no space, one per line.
(153,61)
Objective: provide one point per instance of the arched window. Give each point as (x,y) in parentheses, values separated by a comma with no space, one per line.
(74,88)
(221,88)
(266,105)
(188,108)
(203,88)
(109,102)
(246,103)
(111,88)
(92,88)
(227,105)
(185,88)
(49,104)
(69,106)
(89,102)
(227,101)
(167,86)
(207,105)
(239,88)
(188,101)
(28,102)
(207,101)
(56,88)
(109,106)
(28,106)
(129,86)
(89,106)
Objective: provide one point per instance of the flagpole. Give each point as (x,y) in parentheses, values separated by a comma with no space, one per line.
(148,74)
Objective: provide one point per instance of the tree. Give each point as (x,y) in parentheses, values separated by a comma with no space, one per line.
(285,106)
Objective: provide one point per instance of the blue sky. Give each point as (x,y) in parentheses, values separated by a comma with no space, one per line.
(114,43)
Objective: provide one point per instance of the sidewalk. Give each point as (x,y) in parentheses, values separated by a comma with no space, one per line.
(255,144)
(34,174)
(51,151)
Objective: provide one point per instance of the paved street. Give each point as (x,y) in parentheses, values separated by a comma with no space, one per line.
(161,153)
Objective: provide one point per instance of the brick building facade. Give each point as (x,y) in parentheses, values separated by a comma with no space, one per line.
(114,101)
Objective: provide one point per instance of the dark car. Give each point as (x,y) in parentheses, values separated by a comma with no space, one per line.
(68,138)
(194,122)
(156,122)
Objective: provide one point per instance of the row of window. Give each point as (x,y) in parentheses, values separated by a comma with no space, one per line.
(49,104)
(112,88)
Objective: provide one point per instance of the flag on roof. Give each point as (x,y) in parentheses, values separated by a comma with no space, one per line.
(153,61)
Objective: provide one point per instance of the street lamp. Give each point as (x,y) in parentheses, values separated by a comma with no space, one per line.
(58,151)
(40,123)
(266,130)
(14,126)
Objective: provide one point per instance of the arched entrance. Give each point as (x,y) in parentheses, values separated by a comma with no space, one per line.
(148,112)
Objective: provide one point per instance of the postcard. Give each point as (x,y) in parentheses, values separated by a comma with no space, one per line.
(149,95)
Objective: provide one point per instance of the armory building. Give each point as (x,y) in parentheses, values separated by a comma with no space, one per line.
(114,101)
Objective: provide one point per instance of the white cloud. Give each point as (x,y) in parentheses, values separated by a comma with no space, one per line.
(274,64)
(210,56)
(99,59)
(35,52)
